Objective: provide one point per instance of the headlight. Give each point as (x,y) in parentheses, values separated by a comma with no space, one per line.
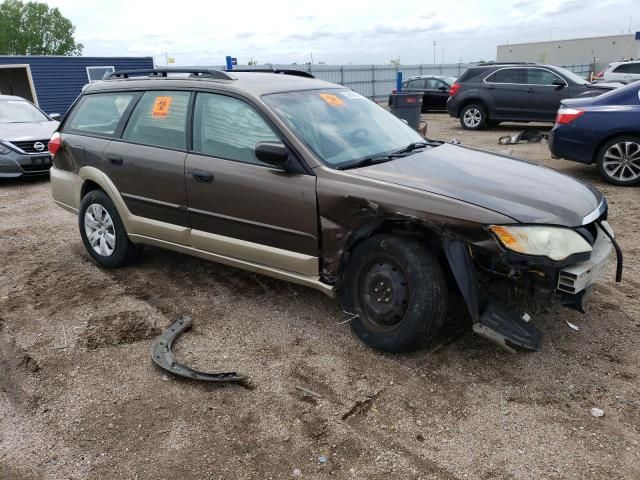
(556,243)
(3,149)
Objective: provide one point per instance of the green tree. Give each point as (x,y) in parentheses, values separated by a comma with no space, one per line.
(33,28)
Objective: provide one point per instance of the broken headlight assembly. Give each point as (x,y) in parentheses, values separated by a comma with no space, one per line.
(555,243)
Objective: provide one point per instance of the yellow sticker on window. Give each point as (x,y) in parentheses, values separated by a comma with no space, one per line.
(332,100)
(161,106)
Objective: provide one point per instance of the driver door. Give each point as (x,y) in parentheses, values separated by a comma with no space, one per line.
(239,206)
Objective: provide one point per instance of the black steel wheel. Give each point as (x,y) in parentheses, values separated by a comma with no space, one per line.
(397,289)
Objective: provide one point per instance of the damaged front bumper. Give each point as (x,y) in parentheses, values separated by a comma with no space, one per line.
(494,283)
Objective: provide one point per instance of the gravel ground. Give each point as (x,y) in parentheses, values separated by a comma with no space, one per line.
(80,398)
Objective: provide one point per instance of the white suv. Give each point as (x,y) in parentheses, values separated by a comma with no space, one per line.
(623,72)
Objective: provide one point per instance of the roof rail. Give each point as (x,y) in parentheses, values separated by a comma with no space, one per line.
(506,63)
(282,71)
(163,72)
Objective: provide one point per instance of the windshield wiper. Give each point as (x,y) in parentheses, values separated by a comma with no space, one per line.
(374,159)
(364,162)
(412,146)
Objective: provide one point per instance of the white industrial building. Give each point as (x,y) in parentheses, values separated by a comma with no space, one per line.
(597,51)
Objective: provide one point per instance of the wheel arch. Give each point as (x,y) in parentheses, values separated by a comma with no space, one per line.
(608,138)
(396,226)
(94,179)
(475,99)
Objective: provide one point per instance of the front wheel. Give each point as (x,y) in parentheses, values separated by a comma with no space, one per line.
(397,289)
(619,161)
(103,232)
(473,117)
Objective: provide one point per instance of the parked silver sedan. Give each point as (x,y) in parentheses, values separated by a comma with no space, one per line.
(25,131)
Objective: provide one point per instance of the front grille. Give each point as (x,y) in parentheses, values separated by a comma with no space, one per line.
(29,146)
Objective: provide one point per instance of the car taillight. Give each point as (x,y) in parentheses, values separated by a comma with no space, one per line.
(600,74)
(568,115)
(55,143)
(454,88)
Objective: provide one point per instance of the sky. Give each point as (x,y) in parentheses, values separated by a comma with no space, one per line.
(335,31)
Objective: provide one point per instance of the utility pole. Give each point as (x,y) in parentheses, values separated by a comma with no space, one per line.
(434,51)
(311,58)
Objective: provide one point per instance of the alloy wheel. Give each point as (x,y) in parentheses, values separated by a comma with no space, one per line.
(472,117)
(621,161)
(100,230)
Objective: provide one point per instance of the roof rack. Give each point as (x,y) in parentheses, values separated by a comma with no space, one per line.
(281,71)
(163,72)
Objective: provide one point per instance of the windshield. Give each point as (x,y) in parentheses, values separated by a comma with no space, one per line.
(20,111)
(449,80)
(341,126)
(572,76)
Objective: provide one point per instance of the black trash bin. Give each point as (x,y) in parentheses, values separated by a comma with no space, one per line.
(407,106)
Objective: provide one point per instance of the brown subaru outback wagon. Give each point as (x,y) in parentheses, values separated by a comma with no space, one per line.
(310,182)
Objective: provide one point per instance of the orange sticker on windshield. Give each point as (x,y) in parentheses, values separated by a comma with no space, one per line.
(161,107)
(332,100)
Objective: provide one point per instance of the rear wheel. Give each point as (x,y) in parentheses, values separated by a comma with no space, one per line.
(396,287)
(473,117)
(619,161)
(103,232)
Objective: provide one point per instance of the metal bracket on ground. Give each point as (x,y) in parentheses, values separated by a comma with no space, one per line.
(164,358)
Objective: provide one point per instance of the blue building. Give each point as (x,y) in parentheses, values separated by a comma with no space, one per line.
(53,82)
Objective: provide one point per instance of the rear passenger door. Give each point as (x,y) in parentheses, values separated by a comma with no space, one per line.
(542,98)
(147,163)
(239,206)
(506,89)
(93,122)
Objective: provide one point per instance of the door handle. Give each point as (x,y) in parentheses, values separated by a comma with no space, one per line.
(202,176)
(115,159)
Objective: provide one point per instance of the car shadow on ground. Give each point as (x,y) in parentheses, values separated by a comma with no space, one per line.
(31,180)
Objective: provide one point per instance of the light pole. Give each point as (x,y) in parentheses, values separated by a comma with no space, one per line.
(434,51)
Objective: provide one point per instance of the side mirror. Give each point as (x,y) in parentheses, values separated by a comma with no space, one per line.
(55,116)
(275,154)
(443,89)
(558,84)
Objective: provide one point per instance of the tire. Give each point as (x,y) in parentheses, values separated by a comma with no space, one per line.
(412,288)
(103,232)
(473,117)
(619,161)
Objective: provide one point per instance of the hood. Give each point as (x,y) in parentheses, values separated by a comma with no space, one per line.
(18,132)
(518,189)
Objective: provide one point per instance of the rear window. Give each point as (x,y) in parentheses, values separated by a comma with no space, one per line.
(470,73)
(160,120)
(99,113)
(507,75)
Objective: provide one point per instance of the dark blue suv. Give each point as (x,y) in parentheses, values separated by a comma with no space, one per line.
(604,130)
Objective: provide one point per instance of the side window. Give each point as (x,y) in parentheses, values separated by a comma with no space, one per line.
(226,127)
(634,68)
(160,120)
(537,76)
(624,68)
(507,75)
(99,113)
(434,84)
(418,84)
